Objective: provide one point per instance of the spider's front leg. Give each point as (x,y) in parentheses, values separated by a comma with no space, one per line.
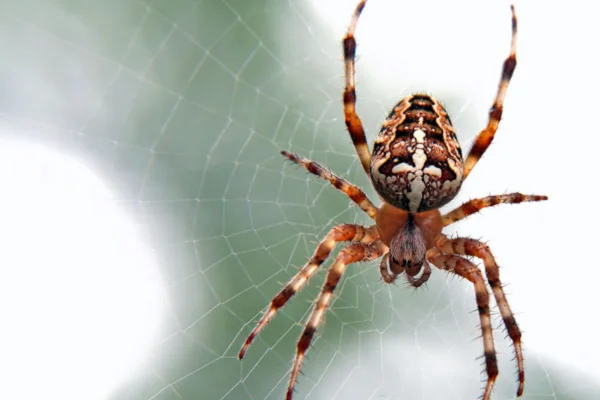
(355,252)
(340,233)
(475,248)
(469,271)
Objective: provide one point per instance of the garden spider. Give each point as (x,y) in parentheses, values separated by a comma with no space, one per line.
(416,167)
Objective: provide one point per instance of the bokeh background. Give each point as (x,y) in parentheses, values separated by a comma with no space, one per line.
(147,217)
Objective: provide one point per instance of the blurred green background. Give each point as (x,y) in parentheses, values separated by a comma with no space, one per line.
(182,107)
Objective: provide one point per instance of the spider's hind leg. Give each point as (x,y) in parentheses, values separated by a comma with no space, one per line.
(485,137)
(353,122)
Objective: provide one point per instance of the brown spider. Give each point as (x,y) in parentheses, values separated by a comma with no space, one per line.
(416,168)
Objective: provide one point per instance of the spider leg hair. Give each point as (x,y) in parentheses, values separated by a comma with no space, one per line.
(355,252)
(340,233)
(353,192)
(475,248)
(466,269)
(476,205)
(485,137)
(353,122)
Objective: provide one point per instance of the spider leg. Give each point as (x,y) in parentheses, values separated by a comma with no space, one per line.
(340,233)
(485,137)
(353,253)
(353,122)
(353,192)
(475,248)
(468,270)
(476,205)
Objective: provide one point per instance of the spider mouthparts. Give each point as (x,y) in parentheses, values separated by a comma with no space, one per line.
(409,246)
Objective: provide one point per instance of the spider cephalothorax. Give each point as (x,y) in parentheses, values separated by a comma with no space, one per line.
(416,167)
(417,162)
(408,236)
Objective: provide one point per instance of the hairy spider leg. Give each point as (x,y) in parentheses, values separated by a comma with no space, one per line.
(476,205)
(353,253)
(340,233)
(468,270)
(475,248)
(485,137)
(353,122)
(353,192)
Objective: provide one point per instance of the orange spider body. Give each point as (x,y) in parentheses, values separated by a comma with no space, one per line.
(390,221)
(416,167)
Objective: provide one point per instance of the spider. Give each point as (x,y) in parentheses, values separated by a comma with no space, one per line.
(416,167)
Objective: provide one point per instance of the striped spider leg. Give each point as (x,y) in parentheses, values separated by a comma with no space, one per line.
(485,137)
(352,191)
(476,205)
(475,248)
(365,246)
(338,234)
(356,252)
(353,122)
(466,269)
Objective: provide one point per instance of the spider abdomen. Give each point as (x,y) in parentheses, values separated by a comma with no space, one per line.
(417,162)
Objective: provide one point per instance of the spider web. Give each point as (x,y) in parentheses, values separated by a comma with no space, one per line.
(183,107)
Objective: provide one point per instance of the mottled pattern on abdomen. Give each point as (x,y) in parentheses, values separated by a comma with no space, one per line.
(417,162)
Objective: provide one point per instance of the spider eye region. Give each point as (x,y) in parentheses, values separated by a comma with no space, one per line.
(417,161)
